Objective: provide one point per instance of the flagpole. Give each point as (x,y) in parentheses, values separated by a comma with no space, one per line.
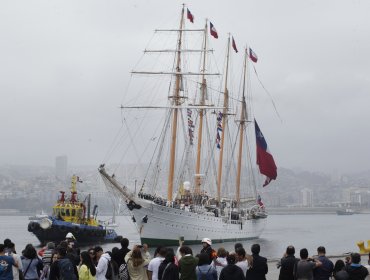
(201,114)
(224,123)
(175,102)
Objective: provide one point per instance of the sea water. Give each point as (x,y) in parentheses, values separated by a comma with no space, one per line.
(338,234)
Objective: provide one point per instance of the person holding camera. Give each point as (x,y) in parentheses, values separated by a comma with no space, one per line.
(303,270)
(137,263)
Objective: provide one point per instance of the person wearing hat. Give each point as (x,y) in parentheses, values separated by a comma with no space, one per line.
(71,241)
(207,249)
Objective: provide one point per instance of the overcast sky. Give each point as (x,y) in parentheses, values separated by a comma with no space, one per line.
(64,66)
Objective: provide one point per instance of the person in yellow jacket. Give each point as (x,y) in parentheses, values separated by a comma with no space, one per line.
(87,269)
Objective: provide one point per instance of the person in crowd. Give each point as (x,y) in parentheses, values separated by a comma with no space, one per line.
(368,268)
(339,272)
(87,270)
(18,268)
(305,266)
(6,263)
(238,245)
(155,263)
(207,249)
(168,270)
(93,256)
(259,269)
(103,263)
(63,268)
(115,260)
(287,264)
(220,262)
(242,261)
(45,274)
(355,270)
(71,254)
(7,243)
(325,270)
(137,264)
(71,241)
(231,271)
(120,258)
(146,251)
(204,270)
(32,264)
(187,264)
(47,254)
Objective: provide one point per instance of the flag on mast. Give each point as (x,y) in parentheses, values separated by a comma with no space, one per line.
(253,55)
(234,45)
(213,30)
(265,160)
(190,16)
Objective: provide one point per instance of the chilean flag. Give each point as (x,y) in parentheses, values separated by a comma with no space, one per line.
(265,160)
(253,55)
(213,30)
(190,16)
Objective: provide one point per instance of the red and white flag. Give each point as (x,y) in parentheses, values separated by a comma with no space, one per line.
(190,16)
(253,55)
(213,30)
(234,45)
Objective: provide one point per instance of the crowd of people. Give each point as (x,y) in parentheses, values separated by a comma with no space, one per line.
(65,261)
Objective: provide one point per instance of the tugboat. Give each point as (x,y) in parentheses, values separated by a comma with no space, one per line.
(72,216)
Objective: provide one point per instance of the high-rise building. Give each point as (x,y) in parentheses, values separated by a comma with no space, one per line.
(307,195)
(61,165)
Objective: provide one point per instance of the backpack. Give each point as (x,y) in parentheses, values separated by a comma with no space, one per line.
(109,273)
(204,276)
(66,270)
(123,272)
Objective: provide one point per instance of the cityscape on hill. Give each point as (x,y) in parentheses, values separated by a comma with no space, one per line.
(30,189)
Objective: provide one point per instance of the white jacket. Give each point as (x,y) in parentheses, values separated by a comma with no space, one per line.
(102,267)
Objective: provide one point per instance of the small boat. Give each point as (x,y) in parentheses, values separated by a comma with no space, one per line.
(72,215)
(39,216)
(347,211)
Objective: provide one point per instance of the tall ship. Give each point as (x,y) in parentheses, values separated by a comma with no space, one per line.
(199,181)
(70,215)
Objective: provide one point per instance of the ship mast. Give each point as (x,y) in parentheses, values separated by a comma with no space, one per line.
(224,123)
(175,102)
(243,119)
(201,114)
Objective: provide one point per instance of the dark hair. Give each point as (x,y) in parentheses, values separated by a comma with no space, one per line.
(63,244)
(256,249)
(203,259)
(2,247)
(7,241)
(62,251)
(170,257)
(321,250)
(290,250)
(98,249)
(29,252)
(86,260)
(186,250)
(238,245)
(339,265)
(303,253)
(356,258)
(231,259)
(124,242)
(240,252)
(162,252)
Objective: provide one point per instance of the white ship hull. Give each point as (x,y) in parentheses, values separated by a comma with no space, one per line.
(165,225)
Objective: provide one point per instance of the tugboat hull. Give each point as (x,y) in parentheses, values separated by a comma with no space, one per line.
(84,234)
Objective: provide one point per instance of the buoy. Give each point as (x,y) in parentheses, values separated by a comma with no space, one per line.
(361,246)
